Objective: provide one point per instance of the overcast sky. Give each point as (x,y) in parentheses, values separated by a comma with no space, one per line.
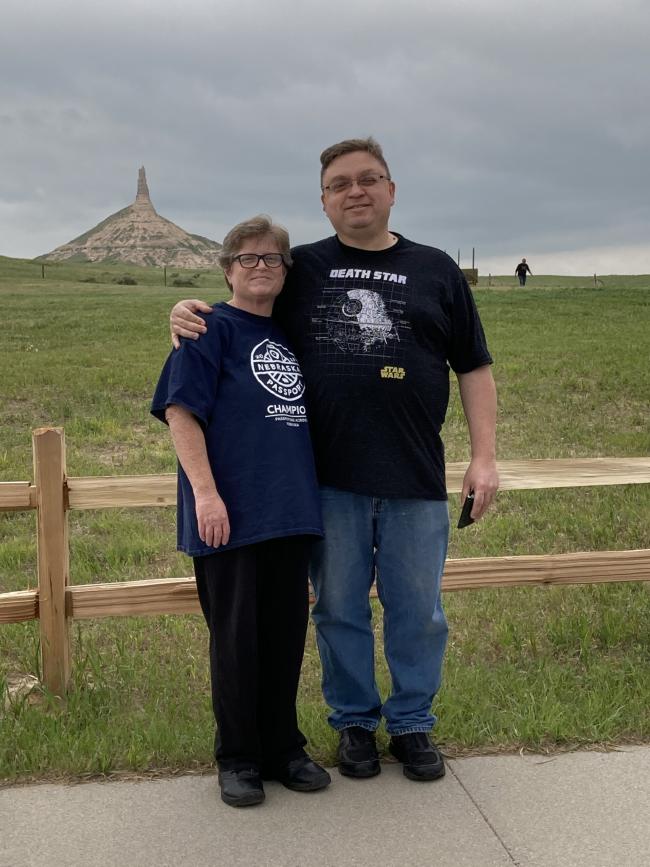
(518,128)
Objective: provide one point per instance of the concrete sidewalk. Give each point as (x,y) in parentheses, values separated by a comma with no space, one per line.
(573,809)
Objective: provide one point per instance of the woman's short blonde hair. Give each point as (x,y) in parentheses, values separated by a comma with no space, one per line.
(261,226)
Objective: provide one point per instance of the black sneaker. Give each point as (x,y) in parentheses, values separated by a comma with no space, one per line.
(241,788)
(301,775)
(357,753)
(421,758)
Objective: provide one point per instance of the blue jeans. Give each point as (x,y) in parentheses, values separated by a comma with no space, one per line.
(403,544)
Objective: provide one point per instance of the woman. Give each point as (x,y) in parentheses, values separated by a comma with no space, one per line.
(248,510)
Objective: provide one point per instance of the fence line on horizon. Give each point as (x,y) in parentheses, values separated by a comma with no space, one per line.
(55,602)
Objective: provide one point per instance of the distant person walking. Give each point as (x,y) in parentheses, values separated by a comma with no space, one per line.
(521,270)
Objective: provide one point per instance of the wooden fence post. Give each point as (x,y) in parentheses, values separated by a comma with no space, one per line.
(53,556)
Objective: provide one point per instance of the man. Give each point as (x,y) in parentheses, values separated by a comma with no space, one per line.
(521,270)
(376,320)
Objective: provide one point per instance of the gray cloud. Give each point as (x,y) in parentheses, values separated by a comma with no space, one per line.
(518,127)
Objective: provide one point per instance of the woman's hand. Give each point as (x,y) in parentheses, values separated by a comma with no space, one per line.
(212,518)
(183,322)
(189,442)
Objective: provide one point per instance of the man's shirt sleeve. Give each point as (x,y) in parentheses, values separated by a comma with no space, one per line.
(468,346)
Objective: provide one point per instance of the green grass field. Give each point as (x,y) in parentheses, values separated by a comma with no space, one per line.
(540,668)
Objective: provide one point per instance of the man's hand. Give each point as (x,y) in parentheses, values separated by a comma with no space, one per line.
(212,517)
(479,398)
(482,478)
(183,322)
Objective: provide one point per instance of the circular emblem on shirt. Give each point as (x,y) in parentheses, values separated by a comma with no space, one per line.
(277,370)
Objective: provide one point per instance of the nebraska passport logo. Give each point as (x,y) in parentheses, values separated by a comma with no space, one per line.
(277,370)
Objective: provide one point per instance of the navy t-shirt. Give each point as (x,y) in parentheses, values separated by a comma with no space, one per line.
(244,386)
(376,333)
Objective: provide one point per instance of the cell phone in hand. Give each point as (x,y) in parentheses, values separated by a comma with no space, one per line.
(465,517)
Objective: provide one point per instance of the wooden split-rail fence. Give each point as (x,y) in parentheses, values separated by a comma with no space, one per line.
(55,602)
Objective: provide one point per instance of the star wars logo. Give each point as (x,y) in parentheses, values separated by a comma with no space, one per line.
(390,372)
(277,370)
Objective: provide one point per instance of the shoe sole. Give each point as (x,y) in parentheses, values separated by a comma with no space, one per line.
(435,774)
(243,801)
(315,786)
(362,771)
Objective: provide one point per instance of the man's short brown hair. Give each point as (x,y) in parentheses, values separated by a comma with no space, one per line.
(351,146)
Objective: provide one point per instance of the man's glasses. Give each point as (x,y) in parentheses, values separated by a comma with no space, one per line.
(366,182)
(252,260)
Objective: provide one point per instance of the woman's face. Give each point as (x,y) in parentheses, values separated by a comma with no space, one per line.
(261,282)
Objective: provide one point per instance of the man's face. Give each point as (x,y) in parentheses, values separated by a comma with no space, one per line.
(358,211)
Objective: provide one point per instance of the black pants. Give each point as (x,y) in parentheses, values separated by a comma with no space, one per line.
(255,600)
(522,279)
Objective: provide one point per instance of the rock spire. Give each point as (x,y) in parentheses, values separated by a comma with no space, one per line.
(139,235)
(143,189)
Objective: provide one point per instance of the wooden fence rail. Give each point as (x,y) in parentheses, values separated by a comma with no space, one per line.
(55,603)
